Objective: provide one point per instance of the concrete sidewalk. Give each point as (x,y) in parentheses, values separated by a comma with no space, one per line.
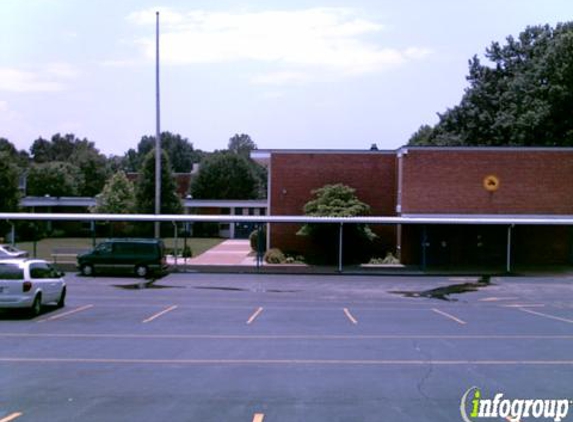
(229,252)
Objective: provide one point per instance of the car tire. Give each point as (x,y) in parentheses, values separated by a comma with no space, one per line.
(141,271)
(36,308)
(62,301)
(87,270)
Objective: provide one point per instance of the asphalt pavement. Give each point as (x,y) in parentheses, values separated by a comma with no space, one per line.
(266,348)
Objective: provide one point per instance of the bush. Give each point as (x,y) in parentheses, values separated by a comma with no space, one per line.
(274,256)
(390,259)
(187,252)
(254,240)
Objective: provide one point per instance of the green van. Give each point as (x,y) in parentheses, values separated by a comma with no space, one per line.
(139,256)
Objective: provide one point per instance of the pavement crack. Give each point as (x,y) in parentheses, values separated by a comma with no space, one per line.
(428,372)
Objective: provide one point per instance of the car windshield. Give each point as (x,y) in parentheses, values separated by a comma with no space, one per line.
(11,272)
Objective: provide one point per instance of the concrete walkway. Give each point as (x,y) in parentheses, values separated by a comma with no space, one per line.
(228,252)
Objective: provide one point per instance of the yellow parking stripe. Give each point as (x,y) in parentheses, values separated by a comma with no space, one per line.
(65,314)
(453,318)
(258,417)
(157,315)
(11,417)
(255,315)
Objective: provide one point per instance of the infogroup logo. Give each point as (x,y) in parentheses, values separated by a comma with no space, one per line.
(473,407)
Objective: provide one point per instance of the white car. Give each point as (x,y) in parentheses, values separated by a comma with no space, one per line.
(9,251)
(30,284)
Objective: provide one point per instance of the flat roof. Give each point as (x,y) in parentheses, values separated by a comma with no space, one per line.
(489,148)
(322,151)
(263,155)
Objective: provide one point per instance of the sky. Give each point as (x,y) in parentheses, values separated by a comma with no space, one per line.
(302,74)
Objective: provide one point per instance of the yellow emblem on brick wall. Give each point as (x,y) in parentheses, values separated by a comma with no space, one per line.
(491,183)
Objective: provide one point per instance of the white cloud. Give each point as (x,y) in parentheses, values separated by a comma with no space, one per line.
(52,77)
(280,78)
(119,63)
(3,106)
(331,38)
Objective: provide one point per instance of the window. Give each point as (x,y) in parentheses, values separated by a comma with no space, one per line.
(41,271)
(123,248)
(104,248)
(11,272)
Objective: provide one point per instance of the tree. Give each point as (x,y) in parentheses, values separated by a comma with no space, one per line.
(224,175)
(117,197)
(241,144)
(423,136)
(523,96)
(93,167)
(20,158)
(145,188)
(9,192)
(338,201)
(180,151)
(79,152)
(54,179)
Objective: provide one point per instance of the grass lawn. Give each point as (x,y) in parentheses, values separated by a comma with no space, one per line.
(45,247)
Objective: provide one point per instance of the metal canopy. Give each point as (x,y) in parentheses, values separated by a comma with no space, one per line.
(547,220)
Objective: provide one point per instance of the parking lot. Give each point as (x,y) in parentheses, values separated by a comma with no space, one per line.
(254,348)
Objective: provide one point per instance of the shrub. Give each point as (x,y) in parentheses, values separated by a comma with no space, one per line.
(254,240)
(274,256)
(337,201)
(187,252)
(390,259)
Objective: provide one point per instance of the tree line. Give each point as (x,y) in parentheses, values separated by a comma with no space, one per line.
(66,165)
(521,96)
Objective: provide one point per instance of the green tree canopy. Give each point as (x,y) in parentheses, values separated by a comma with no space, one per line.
(338,200)
(54,179)
(145,188)
(79,152)
(20,158)
(180,151)
(9,192)
(224,175)
(117,197)
(522,96)
(241,144)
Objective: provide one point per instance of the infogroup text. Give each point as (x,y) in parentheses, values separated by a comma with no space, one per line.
(473,407)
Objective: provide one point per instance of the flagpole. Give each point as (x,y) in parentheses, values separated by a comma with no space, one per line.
(157,130)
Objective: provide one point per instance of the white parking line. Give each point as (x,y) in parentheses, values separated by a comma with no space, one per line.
(11,417)
(453,318)
(541,314)
(157,315)
(497,299)
(258,417)
(524,305)
(350,316)
(255,315)
(65,314)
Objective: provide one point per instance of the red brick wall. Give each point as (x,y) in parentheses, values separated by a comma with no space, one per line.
(451,181)
(295,175)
